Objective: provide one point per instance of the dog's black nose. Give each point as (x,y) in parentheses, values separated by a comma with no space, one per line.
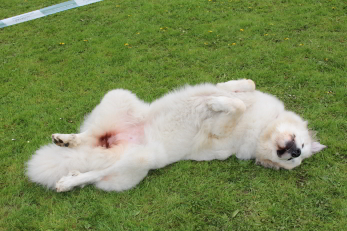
(296,153)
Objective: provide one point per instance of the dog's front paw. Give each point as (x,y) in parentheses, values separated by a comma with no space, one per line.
(65,140)
(66,183)
(241,85)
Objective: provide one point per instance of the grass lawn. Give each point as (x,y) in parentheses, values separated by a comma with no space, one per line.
(55,69)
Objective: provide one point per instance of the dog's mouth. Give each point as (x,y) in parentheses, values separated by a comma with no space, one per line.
(290,158)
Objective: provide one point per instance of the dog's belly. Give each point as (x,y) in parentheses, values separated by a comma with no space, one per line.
(133,135)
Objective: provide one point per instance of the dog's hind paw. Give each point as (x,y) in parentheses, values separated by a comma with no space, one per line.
(66,183)
(65,140)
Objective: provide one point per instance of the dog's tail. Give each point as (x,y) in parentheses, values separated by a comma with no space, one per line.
(51,162)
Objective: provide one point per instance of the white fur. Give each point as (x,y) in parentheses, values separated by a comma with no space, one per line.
(124,137)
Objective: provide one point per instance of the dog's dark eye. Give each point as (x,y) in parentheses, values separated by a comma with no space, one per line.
(281,151)
(303,145)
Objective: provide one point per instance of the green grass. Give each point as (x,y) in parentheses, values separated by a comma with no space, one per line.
(47,87)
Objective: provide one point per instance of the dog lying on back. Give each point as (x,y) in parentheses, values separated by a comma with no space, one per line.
(124,137)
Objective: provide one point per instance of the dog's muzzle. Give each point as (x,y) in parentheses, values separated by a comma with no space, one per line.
(295,153)
(293,149)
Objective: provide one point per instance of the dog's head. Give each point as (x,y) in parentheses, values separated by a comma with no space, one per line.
(286,142)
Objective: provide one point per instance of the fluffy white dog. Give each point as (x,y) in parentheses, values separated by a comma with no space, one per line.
(124,137)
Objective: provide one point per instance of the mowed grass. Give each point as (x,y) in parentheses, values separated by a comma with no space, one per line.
(55,69)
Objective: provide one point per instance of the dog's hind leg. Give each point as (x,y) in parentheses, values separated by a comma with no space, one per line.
(68,140)
(122,175)
(119,181)
(108,180)
(119,110)
(75,178)
(115,178)
(242,85)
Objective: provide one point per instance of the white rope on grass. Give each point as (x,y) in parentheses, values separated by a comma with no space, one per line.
(45,11)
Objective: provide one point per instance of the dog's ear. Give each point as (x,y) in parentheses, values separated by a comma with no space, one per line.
(317,147)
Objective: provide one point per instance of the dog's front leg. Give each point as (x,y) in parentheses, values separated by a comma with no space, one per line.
(242,85)
(226,104)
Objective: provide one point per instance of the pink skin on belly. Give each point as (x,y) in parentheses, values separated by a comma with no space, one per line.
(131,135)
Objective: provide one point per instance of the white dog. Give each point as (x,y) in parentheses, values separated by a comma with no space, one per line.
(124,137)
